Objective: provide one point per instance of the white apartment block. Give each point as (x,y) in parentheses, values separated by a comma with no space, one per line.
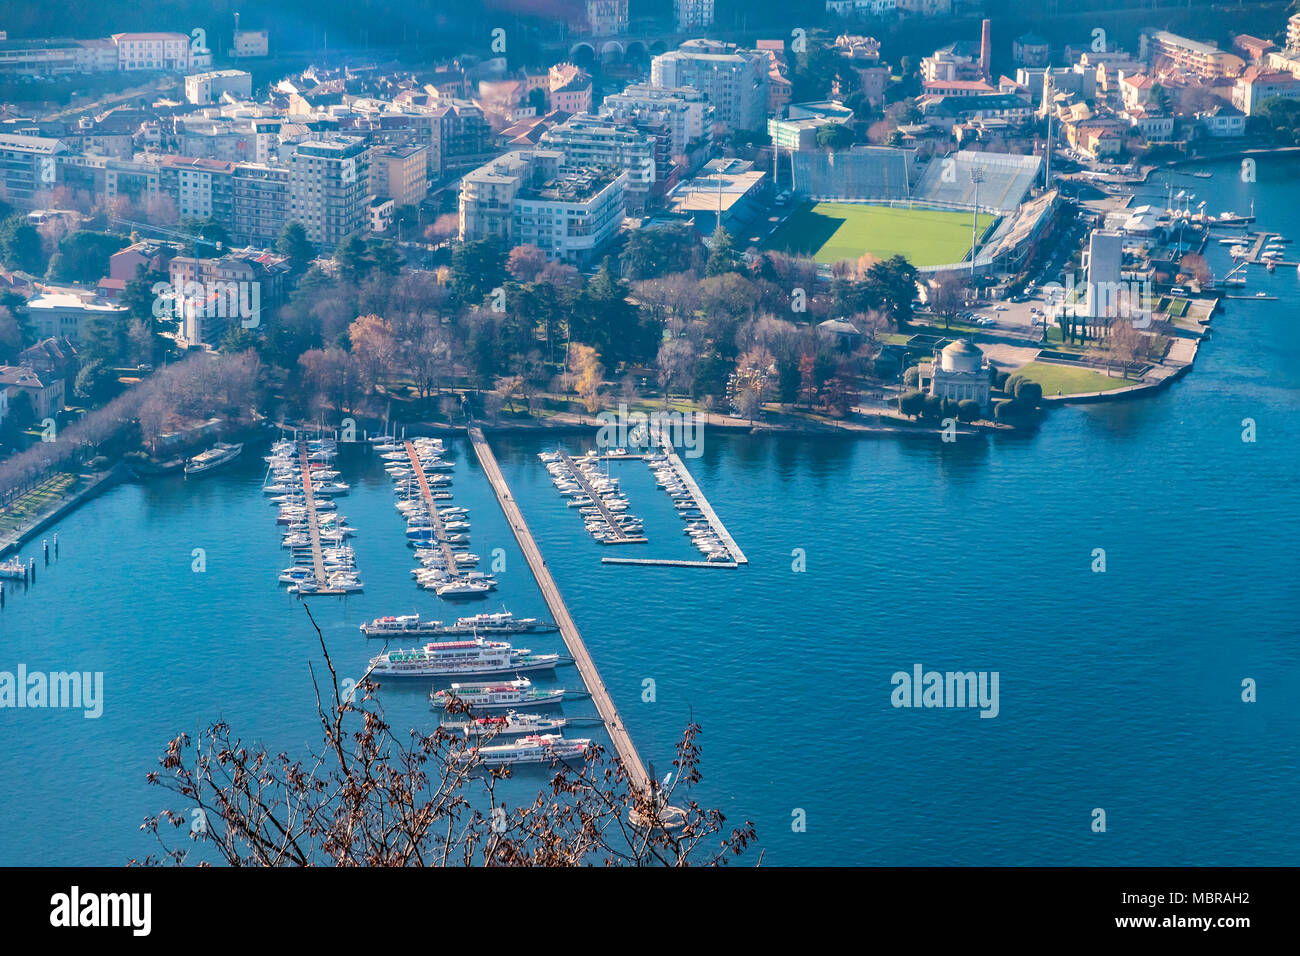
(329,188)
(735,81)
(607,17)
(861,8)
(588,140)
(685,112)
(693,14)
(160,51)
(204,89)
(530,197)
(250,43)
(926,8)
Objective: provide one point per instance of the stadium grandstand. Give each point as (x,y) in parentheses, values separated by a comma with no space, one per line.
(860,173)
(1007,180)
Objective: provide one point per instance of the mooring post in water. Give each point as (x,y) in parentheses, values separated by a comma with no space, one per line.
(31,566)
(46,545)
(56,545)
(2,595)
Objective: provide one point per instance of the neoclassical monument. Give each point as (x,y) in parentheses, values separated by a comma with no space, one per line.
(959,372)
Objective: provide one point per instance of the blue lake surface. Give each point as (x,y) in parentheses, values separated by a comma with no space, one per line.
(1118,690)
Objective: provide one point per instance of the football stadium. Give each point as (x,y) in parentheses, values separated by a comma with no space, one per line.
(874,201)
(829,232)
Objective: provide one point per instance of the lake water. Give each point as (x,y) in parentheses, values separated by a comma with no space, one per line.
(1118,690)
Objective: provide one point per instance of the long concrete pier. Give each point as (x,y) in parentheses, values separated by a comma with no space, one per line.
(618,734)
(702,503)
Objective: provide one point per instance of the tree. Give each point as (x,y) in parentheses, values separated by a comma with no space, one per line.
(353,258)
(477,267)
(525,262)
(1029,394)
(374,348)
(968,410)
(749,404)
(584,363)
(911,403)
(652,252)
(722,256)
(294,244)
(835,136)
(20,245)
(83,256)
(948,296)
(891,286)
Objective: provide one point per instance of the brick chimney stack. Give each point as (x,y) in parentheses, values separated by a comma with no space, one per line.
(986,50)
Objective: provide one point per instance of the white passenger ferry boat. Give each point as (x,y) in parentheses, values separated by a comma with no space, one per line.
(512,724)
(519,692)
(461,658)
(535,748)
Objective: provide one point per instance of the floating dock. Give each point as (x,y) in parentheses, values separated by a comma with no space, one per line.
(620,536)
(618,734)
(426,494)
(702,503)
(313,528)
(671,562)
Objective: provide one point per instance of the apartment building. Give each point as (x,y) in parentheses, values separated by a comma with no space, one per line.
(1257,85)
(213,293)
(1203,59)
(684,112)
(926,8)
(203,89)
(173,52)
(329,188)
(250,43)
(28,168)
(606,17)
(199,188)
(568,89)
(693,14)
(399,173)
(533,197)
(735,81)
(259,204)
(69,313)
(588,140)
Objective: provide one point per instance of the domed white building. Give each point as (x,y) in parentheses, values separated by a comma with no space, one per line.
(959,372)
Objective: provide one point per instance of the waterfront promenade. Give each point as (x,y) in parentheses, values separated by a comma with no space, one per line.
(618,734)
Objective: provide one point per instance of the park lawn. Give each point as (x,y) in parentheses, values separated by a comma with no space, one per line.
(1065,380)
(830,232)
(34,503)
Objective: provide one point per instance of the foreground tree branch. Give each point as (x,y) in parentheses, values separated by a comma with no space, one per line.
(367,797)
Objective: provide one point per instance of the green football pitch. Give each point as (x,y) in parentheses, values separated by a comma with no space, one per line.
(830,231)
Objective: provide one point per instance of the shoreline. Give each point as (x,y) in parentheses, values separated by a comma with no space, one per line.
(98,484)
